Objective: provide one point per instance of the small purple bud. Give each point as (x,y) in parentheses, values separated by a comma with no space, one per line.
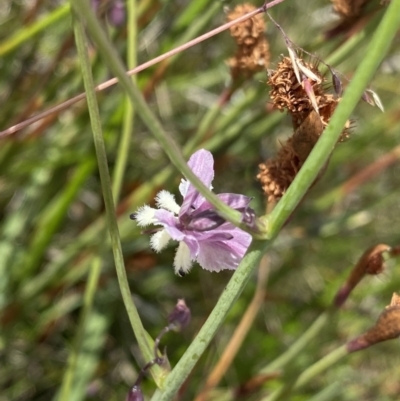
(135,394)
(337,83)
(116,14)
(357,344)
(180,316)
(95,5)
(365,96)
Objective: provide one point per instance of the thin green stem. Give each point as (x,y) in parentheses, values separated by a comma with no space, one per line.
(141,335)
(376,51)
(305,339)
(51,217)
(91,287)
(129,113)
(214,321)
(314,370)
(148,117)
(26,33)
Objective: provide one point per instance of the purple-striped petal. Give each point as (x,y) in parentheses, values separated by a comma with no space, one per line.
(202,165)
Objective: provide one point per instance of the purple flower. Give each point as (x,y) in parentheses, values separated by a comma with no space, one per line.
(113,9)
(203,235)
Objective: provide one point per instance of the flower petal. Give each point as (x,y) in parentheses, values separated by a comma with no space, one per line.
(170,223)
(202,165)
(204,221)
(165,200)
(159,240)
(193,244)
(235,201)
(182,261)
(145,216)
(227,254)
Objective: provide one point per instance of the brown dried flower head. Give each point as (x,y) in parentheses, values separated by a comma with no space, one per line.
(277,174)
(252,54)
(310,108)
(287,93)
(348,8)
(370,263)
(249,31)
(386,328)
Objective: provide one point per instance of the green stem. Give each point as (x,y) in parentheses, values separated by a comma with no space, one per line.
(129,116)
(28,32)
(68,379)
(52,216)
(320,154)
(167,143)
(197,347)
(313,371)
(305,339)
(375,53)
(140,333)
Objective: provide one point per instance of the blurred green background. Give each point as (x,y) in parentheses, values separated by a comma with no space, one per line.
(52,213)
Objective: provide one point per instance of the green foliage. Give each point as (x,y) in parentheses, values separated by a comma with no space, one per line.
(66,331)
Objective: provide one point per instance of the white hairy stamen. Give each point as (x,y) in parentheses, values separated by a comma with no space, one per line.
(165,200)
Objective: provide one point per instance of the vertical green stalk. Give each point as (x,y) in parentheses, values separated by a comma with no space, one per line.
(141,335)
(305,339)
(320,154)
(129,115)
(376,51)
(198,346)
(314,370)
(91,287)
(26,33)
(167,143)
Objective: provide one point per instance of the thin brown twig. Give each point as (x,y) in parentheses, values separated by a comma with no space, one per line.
(113,81)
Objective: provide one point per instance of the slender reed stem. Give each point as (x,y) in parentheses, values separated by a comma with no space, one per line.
(314,370)
(113,81)
(141,335)
(90,291)
(375,53)
(129,113)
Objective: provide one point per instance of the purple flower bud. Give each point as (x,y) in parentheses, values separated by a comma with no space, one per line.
(365,96)
(135,394)
(116,14)
(95,5)
(337,83)
(180,316)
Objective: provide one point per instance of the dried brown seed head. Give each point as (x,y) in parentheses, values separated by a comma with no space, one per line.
(307,134)
(248,61)
(287,93)
(395,301)
(370,263)
(348,8)
(252,54)
(277,174)
(386,328)
(249,31)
